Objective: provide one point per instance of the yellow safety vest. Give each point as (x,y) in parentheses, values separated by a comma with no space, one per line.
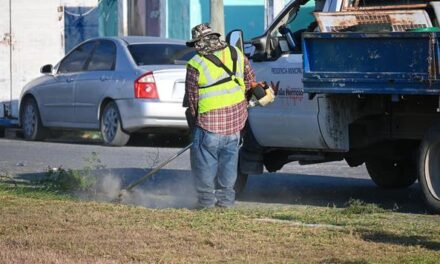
(217,89)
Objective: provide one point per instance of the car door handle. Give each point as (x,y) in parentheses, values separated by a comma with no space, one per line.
(104,78)
(69,79)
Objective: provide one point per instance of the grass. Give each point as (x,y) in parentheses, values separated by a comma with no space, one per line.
(41,226)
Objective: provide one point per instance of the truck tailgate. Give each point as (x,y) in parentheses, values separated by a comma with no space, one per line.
(372,63)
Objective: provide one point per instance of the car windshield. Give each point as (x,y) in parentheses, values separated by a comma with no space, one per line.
(158,54)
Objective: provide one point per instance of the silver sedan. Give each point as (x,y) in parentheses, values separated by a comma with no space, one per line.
(118,85)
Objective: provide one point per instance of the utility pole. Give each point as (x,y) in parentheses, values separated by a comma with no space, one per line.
(218,17)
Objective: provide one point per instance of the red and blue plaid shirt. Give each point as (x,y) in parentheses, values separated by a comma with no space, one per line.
(227,120)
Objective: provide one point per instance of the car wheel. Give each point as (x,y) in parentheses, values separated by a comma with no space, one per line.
(31,121)
(390,174)
(429,168)
(111,126)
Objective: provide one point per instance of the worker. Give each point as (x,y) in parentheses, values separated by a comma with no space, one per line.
(216,101)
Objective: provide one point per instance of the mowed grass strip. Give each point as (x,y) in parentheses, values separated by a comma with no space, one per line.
(42,227)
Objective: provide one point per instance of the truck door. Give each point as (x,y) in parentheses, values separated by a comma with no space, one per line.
(292,120)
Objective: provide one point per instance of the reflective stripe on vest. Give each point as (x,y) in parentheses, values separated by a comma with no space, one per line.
(215,96)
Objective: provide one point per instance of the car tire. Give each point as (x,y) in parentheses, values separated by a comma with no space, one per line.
(429,168)
(33,128)
(111,126)
(392,174)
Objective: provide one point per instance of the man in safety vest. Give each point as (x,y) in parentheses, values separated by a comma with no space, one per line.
(216,83)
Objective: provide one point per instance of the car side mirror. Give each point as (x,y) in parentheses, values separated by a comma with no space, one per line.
(235,38)
(46,69)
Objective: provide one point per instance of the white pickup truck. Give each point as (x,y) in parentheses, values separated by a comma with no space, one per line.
(357,81)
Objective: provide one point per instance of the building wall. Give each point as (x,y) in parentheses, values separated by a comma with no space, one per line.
(108,18)
(33,33)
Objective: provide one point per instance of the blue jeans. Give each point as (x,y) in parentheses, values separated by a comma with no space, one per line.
(214,159)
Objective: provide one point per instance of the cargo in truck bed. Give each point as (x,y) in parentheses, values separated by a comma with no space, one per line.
(372,63)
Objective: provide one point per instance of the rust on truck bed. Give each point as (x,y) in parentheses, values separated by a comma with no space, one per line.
(357,5)
(395,20)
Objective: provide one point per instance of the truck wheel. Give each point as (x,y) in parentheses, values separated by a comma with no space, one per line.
(31,121)
(429,168)
(111,126)
(389,173)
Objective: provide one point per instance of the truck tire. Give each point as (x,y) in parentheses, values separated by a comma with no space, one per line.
(429,168)
(392,174)
(111,126)
(33,128)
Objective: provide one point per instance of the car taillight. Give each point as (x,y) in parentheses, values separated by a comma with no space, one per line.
(145,87)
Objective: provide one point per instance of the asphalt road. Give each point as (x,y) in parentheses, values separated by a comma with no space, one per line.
(328,184)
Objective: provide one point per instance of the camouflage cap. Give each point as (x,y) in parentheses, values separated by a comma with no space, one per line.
(200,31)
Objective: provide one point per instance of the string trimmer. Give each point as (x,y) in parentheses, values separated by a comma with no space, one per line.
(125,192)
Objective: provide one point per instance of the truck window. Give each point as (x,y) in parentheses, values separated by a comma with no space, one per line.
(296,22)
(303,18)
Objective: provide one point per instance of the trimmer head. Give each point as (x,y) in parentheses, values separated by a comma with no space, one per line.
(122,196)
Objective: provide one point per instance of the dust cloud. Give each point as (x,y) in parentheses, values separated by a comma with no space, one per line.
(168,189)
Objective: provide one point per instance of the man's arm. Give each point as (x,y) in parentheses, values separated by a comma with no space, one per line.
(192,89)
(249,74)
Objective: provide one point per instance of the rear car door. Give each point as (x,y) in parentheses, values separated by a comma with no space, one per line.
(57,107)
(91,85)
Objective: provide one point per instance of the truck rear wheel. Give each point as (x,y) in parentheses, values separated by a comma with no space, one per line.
(429,168)
(389,173)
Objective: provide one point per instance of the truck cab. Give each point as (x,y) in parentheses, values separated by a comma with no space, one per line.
(386,129)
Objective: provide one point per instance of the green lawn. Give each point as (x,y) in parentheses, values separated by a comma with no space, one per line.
(38,226)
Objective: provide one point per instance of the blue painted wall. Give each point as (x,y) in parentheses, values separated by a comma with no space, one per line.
(249,18)
(80,23)
(178,14)
(185,14)
(182,15)
(108,17)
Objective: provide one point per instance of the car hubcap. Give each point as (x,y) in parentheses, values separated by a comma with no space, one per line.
(30,120)
(432,170)
(110,124)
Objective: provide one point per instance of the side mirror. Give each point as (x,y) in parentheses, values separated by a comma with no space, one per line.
(46,69)
(235,38)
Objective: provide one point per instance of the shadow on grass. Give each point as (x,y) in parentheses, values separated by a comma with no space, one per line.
(329,191)
(341,261)
(382,237)
(166,189)
(281,188)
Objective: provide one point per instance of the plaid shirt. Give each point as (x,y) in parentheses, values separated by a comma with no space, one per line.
(227,120)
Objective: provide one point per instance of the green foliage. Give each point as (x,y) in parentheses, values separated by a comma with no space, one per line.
(74,180)
(355,206)
(66,180)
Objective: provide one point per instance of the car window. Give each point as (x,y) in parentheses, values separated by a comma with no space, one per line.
(76,60)
(158,54)
(103,57)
